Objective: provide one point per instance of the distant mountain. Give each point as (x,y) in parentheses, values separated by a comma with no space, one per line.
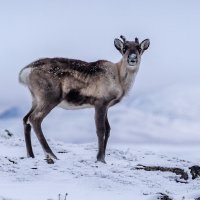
(12,112)
(173,102)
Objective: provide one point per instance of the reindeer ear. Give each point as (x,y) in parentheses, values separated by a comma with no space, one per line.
(119,45)
(144,45)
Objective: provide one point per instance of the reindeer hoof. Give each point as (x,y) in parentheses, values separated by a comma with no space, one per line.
(30,156)
(50,158)
(102,160)
(49,161)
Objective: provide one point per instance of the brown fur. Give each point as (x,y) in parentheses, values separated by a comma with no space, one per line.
(75,83)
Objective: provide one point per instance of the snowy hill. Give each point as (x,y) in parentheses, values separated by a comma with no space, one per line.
(173,102)
(77,174)
(9,113)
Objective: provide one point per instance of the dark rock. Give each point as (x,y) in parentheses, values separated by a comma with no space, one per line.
(164,197)
(177,171)
(195,171)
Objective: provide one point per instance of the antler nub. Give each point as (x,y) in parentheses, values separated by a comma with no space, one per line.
(137,40)
(123,38)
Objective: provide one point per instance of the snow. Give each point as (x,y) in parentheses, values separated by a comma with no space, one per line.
(77,174)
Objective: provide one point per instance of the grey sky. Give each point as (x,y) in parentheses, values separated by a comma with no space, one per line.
(86,30)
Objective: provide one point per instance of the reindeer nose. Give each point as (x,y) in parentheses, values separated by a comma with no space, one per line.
(132,57)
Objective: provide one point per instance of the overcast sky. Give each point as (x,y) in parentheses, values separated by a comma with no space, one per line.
(86,29)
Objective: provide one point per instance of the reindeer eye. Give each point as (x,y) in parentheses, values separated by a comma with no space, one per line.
(124,49)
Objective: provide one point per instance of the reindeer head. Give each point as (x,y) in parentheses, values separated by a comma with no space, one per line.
(131,50)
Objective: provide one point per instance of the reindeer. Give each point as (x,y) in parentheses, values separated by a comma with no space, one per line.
(75,84)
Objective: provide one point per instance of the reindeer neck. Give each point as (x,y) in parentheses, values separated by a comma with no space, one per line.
(126,75)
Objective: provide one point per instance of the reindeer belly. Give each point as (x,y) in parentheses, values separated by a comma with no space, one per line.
(69,106)
(74,99)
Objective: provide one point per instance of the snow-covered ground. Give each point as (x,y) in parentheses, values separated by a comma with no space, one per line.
(77,174)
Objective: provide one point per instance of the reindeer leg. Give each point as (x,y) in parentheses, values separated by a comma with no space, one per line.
(107,133)
(100,117)
(36,119)
(27,133)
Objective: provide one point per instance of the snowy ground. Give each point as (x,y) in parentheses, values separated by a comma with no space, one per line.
(77,174)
